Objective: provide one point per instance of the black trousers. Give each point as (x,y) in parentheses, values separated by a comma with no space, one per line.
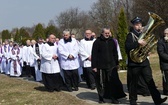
(71,78)
(142,87)
(52,81)
(89,76)
(146,73)
(108,84)
(32,70)
(165,81)
(28,70)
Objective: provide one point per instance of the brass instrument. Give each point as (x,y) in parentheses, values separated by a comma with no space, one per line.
(140,54)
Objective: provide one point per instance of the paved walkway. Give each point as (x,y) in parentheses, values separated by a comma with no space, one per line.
(90,96)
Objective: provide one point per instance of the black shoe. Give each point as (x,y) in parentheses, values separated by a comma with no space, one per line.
(161,101)
(92,88)
(58,90)
(133,102)
(147,94)
(101,102)
(51,91)
(69,89)
(114,101)
(76,89)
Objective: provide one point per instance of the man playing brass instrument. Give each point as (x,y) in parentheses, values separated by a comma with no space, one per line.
(137,69)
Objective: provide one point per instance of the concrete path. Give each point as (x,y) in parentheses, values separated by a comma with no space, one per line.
(91,97)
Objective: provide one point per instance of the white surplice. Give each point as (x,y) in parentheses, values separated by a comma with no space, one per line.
(48,64)
(85,51)
(37,71)
(66,49)
(5,59)
(15,66)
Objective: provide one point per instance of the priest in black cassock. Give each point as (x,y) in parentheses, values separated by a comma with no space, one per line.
(105,65)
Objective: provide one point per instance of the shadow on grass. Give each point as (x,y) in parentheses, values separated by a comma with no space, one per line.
(41,88)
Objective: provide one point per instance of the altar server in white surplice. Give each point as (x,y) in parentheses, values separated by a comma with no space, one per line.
(85,50)
(68,50)
(5,58)
(1,71)
(49,65)
(30,57)
(15,65)
(37,49)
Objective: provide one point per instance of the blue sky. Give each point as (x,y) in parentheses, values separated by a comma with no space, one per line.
(18,13)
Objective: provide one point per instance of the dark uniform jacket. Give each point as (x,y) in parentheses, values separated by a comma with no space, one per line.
(132,43)
(104,53)
(162,48)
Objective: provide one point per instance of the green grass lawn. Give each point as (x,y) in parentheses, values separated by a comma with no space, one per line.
(15,91)
(21,92)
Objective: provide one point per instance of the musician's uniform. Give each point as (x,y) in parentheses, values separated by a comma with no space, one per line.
(136,69)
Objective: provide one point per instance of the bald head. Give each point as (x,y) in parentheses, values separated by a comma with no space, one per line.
(51,38)
(28,42)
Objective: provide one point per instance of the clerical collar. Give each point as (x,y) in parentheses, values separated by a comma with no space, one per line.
(50,43)
(68,40)
(88,39)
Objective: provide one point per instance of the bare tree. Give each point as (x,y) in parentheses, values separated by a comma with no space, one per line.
(142,7)
(105,12)
(101,13)
(68,19)
(73,20)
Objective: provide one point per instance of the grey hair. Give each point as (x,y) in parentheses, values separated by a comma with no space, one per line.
(105,28)
(66,32)
(50,35)
(166,29)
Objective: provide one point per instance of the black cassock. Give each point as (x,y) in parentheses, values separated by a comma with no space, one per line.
(108,84)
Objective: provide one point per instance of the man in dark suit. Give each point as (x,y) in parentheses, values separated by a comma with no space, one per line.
(162,48)
(136,69)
